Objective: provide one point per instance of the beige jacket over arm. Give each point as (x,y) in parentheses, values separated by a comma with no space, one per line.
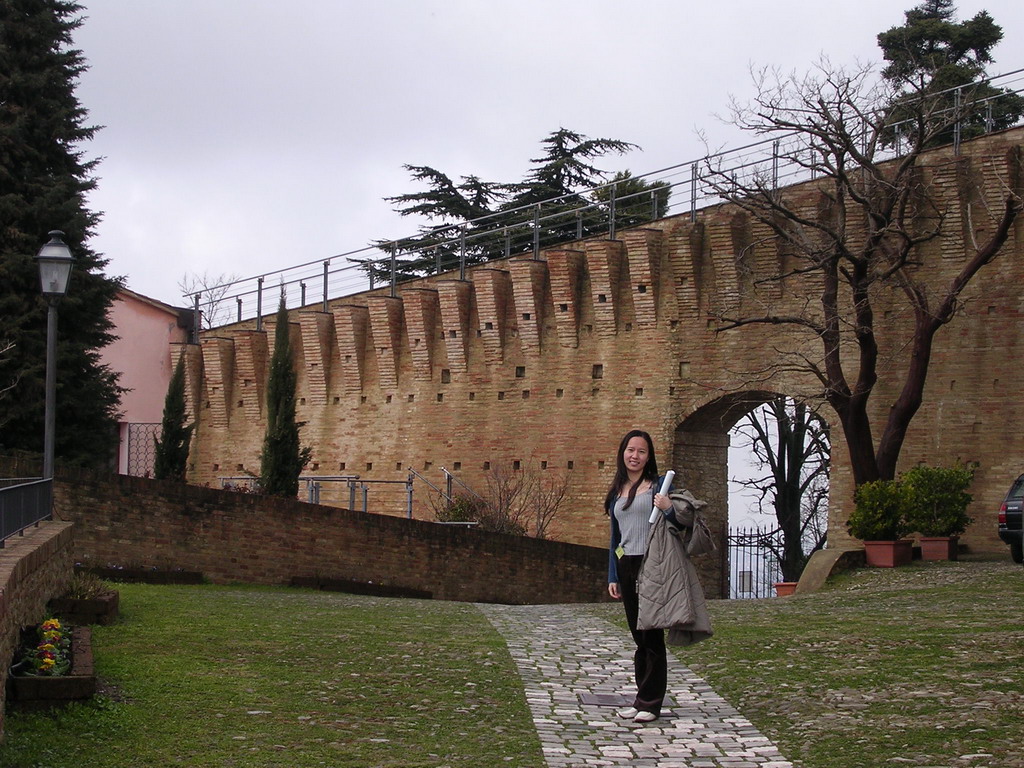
(671,596)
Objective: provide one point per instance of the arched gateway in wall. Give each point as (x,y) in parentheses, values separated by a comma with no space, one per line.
(547,362)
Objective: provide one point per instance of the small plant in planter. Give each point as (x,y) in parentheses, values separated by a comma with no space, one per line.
(87,600)
(938,501)
(880,515)
(85,585)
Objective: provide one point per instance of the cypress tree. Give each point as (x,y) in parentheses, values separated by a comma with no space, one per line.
(172,446)
(44,179)
(283,458)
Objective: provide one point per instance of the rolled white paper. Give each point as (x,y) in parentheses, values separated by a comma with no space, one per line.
(665,484)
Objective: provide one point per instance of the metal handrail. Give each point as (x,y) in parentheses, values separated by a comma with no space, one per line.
(450,479)
(23,506)
(6,482)
(447,497)
(313,483)
(433,487)
(773,158)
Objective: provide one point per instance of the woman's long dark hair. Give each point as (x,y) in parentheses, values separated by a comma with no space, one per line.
(621,475)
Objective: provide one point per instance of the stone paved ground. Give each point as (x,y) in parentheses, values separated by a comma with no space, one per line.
(577,671)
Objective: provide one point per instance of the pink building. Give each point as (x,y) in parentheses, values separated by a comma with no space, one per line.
(146,328)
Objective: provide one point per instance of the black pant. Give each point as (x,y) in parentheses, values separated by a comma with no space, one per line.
(650,662)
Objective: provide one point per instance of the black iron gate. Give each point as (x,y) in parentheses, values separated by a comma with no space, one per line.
(753,566)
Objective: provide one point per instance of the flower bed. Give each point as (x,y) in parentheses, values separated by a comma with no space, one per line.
(55,669)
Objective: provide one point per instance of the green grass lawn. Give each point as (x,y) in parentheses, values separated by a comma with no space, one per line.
(222,676)
(922,665)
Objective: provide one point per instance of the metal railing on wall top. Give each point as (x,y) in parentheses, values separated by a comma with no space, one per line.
(529,229)
(24,504)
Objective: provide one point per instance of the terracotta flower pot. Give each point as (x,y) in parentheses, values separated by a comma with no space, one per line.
(785,588)
(888,554)
(939,547)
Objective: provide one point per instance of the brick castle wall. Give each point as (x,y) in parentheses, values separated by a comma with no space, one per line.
(548,362)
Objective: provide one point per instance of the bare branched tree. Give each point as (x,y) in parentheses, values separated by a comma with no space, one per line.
(860,245)
(551,493)
(521,500)
(791,447)
(213,294)
(508,491)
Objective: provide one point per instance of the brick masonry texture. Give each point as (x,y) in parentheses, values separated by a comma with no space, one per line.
(549,361)
(33,568)
(230,537)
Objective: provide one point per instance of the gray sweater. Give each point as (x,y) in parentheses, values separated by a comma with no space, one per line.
(634,523)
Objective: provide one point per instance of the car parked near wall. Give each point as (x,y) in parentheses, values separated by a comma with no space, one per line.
(1011,529)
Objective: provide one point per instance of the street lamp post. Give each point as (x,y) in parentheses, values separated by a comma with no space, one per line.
(55,262)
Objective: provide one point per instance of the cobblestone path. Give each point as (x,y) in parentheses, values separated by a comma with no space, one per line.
(577,671)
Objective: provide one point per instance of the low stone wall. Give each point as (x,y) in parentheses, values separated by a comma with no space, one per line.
(34,568)
(231,537)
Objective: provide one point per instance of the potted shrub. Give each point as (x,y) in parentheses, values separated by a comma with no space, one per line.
(937,507)
(879,519)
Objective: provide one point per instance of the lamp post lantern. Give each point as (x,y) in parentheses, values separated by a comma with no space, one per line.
(55,262)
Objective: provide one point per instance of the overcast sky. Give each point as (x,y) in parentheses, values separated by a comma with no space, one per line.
(243,136)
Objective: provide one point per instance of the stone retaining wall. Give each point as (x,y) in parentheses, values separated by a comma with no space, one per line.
(233,537)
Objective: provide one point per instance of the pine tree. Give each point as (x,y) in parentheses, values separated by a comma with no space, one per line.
(636,200)
(173,444)
(932,53)
(44,179)
(283,458)
(564,168)
(495,227)
(445,204)
(562,176)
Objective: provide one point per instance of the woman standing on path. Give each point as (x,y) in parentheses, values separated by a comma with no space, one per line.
(631,497)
